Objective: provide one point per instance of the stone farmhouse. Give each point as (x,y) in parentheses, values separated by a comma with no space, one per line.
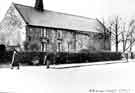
(52,31)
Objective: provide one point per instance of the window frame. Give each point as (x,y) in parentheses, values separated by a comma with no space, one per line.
(59,46)
(59,34)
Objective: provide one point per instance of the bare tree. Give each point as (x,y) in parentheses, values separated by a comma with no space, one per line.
(127,36)
(121,33)
(115,29)
(106,32)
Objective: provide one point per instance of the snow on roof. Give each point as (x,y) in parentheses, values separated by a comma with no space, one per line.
(53,19)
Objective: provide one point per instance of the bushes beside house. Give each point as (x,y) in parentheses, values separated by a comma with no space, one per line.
(32,46)
(27,57)
(32,58)
(86,57)
(6,57)
(61,58)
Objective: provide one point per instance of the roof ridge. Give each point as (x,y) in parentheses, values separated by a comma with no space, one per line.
(58,12)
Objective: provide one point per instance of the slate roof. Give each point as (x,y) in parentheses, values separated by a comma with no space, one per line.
(53,19)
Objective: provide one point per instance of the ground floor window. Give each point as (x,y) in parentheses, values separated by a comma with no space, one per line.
(59,47)
(43,47)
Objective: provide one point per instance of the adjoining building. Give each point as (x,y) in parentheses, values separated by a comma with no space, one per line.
(52,31)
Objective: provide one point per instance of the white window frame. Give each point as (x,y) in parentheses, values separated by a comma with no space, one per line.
(45,32)
(45,47)
(41,32)
(59,46)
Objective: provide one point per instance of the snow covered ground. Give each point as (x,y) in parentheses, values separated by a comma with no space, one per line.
(38,79)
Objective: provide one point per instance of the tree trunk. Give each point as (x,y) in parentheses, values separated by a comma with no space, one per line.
(116,46)
(116,32)
(131,43)
(117,43)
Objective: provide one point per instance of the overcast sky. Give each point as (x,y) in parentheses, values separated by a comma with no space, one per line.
(89,8)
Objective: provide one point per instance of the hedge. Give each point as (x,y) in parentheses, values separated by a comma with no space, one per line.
(87,57)
(5,56)
(60,58)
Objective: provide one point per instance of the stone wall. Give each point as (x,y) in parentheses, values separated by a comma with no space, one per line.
(70,41)
(12,29)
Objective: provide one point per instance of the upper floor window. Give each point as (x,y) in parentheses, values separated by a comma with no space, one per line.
(59,34)
(43,32)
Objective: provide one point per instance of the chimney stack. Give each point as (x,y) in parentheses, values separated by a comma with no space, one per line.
(39,5)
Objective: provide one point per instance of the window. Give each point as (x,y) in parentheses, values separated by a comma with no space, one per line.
(59,47)
(44,39)
(44,47)
(41,32)
(59,40)
(59,34)
(45,32)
